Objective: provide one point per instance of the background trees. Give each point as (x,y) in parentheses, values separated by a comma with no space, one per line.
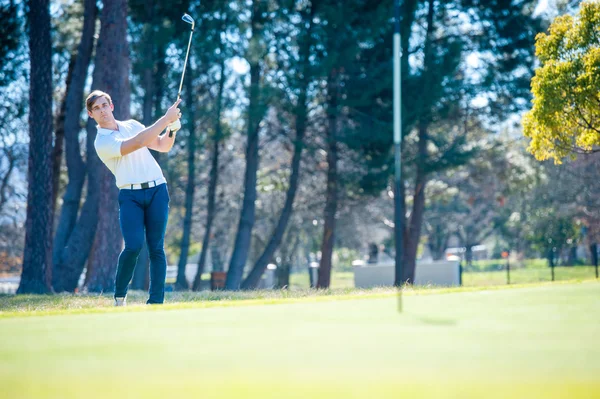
(285,153)
(564,117)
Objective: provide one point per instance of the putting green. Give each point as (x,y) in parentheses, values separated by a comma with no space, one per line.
(526,342)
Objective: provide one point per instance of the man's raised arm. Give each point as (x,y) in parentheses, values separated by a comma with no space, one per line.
(148,135)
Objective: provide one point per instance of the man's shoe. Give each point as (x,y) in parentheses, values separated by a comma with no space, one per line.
(121,301)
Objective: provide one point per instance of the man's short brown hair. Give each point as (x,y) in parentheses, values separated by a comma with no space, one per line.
(89,101)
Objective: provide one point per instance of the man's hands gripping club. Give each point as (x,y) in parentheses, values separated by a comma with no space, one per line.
(149,137)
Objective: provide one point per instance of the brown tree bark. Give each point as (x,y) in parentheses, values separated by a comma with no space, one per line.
(301,111)
(255,115)
(415,223)
(181,282)
(212,184)
(73,238)
(331,200)
(37,259)
(111,75)
(59,136)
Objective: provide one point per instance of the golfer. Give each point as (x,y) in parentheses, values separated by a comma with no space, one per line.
(124,146)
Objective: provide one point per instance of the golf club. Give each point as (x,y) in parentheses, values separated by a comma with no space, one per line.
(175,126)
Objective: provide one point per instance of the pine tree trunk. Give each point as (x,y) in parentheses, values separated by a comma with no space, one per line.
(255,111)
(260,266)
(212,184)
(81,239)
(111,75)
(37,259)
(327,244)
(59,136)
(72,235)
(416,218)
(469,255)
(181,283)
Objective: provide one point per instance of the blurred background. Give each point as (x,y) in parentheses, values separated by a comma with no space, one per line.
(282,173)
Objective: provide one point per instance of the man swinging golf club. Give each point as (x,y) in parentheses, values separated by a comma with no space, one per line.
(143,196)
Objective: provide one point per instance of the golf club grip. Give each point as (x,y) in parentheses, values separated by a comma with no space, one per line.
(178,97)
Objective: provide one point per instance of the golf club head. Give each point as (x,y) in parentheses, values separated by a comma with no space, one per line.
(187,18)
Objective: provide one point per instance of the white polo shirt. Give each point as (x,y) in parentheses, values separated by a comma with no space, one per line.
(133,168)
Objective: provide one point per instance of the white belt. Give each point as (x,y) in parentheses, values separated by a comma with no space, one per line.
(140,186)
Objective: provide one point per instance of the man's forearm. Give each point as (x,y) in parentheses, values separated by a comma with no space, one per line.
(144,138)
(165,142)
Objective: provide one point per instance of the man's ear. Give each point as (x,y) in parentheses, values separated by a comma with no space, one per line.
(112,106)
(90,114)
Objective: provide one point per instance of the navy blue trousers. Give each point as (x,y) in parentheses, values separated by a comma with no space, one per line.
(143,211)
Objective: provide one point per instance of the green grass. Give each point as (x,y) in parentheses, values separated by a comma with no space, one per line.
(499,264)
(533,341)
(528,275)
(532,274)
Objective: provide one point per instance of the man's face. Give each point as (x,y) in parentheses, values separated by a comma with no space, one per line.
(102,111)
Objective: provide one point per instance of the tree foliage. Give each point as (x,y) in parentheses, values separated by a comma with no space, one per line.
(565,117)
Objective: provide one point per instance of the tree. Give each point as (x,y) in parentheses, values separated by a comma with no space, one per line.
(152,32)
(37,259)
(9,41)
(566,108)
(301,83)
(347,36)
(111,74)
(216,139)
(73,238)
(256,109)
(209,56)
(552,232)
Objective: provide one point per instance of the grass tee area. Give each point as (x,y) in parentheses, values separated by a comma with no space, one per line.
(529,341)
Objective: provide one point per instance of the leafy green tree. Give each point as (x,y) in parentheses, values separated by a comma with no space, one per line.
(256,56)
(564,119)
(552,233)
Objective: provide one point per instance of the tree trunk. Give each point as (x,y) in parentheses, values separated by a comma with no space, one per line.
(141,273)
(324,279)
(111,75)
(287,258)
(408,17)
(260,266)
(218,263)
(212,184)
(37,259)
(181,282)
(80,241)
(416,217)
(469,255)
(438,241)
(66,239)
(255,112)
(59,136)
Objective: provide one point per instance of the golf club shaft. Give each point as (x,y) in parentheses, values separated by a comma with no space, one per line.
(187,53)
(185,64)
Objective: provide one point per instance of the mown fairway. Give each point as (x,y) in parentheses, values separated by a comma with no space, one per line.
(539,341)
